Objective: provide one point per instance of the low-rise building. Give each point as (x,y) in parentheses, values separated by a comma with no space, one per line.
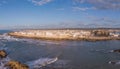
(115,34)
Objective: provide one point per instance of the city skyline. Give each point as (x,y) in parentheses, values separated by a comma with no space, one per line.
(17,14)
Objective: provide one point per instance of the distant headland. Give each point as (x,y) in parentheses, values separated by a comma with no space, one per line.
(94,34)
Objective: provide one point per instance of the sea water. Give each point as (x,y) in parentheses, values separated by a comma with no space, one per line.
(50,54)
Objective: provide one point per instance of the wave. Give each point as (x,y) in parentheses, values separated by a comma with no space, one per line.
(38,64)
(3,62)
(41,62)
(7,37)
(114,62)
(10,38)
(48,63)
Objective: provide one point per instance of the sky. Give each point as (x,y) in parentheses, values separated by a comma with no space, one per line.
(20,14)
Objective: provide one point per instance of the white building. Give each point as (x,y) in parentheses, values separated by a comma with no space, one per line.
(115,34)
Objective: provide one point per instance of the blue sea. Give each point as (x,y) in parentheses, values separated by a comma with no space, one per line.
(61,54)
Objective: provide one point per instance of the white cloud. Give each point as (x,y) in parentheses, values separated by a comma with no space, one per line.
(83,8)
(102,4)
(40,2)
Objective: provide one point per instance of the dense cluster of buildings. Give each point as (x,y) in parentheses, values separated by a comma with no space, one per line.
(55,33)
(115,34)
(66,34)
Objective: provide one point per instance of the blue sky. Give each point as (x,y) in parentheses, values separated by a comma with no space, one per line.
(59,13)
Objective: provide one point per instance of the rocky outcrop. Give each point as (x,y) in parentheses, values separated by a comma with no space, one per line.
(114,62)
(3,54)
(11,64)
(117,51)
(16,65)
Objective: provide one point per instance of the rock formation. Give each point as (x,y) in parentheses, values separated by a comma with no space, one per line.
(11,64)
(117,50)
(3,54)
(16,65)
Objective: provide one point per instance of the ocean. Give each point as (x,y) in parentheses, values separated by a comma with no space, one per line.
(61,54)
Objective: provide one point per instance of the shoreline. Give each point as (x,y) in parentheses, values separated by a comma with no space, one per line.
(87,35)
(80,39)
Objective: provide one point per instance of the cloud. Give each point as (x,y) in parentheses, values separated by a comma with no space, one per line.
(40,2)
(102,4)
(83,8)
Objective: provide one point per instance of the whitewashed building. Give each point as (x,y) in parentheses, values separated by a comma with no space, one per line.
(115,34)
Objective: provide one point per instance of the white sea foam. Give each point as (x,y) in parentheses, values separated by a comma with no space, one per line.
(37,64)
(8,38)
(41,62)
(3,62)
(114,62)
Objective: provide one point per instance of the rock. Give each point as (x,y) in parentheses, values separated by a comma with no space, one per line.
(3,54)
(16,65)
(114,62)
(117,50)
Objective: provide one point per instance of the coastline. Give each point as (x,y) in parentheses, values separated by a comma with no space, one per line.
(66,34)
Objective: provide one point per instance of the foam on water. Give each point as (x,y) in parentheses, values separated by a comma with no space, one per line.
(41,62)
(3,62)
(8,38)
(114,62)
(36,64)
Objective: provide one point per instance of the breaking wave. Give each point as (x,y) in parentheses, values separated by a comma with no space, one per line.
(7,37)
(36,64)
(114,62)
(3,62)
(41,62)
